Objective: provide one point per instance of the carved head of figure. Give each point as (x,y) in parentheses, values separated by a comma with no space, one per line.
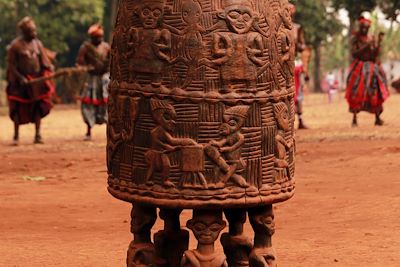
(263,222)
(239,15)
(164,114)
(206,228)
(150,13)
(28,28)
(364,25)
(234,119)
(282,115)
(191,12)
(287,16)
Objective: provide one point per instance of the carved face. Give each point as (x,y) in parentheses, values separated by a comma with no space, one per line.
(283,119)
(206,229)
(239,19)
(231,125)
(29,30)
(191,12)
(166,118)
(287,18)
(150,15)
(264,223)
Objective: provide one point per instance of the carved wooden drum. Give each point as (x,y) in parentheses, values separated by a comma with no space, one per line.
(201,113)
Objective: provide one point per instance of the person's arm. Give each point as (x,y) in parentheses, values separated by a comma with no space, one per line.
(107,58)
(235,146)
(12,65)
(179,141)
(358,49)
(80,60)
(256,50)
(44,60)
(164,46)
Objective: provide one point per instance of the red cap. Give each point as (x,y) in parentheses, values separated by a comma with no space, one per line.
(363,20)
(96,30)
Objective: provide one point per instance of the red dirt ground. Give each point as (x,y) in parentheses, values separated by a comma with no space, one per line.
(345,212)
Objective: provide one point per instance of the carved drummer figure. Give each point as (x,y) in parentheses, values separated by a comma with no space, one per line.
(206,229)
(226,152)
(149,45)
(162,141)
(238,52)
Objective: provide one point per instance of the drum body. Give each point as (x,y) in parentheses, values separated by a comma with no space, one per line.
(201,111)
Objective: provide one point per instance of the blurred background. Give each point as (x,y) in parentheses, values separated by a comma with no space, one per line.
(328,25)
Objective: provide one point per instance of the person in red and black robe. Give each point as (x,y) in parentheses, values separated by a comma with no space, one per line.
(27,60)
(301,76)
(96,55)
(366,84)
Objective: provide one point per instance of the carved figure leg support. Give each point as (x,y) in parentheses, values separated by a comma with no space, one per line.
(262,221)
(237,246)
(141,249)
(206,226)
(172,242)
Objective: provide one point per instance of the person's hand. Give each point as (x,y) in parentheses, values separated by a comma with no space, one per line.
(24,80)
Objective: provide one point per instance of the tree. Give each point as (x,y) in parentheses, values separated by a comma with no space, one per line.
(355,8)
(62,24)
(110,14)
(390,8)
(319,24)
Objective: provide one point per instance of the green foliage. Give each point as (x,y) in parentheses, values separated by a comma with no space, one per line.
(355,7)
(391,8)
(62,24)
(318,22)
(335,53)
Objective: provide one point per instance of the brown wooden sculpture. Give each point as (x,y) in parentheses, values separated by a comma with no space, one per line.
(201,116)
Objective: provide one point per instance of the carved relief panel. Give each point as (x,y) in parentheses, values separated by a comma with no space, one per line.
(202,106)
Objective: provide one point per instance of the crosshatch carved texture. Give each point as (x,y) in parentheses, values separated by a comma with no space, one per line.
(202,108)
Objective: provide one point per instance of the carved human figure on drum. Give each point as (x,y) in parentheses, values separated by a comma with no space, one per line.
(149,45)
(226,152)
(27,60)
(162,141)
(366,84)
(237,51)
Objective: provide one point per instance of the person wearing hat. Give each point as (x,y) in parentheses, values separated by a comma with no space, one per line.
(95,54)
(366,88)
(27,60)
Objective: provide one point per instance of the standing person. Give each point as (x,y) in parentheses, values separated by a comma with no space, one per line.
(27,60)
(96,55)
(366,83)
(301,76)
(333,85)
